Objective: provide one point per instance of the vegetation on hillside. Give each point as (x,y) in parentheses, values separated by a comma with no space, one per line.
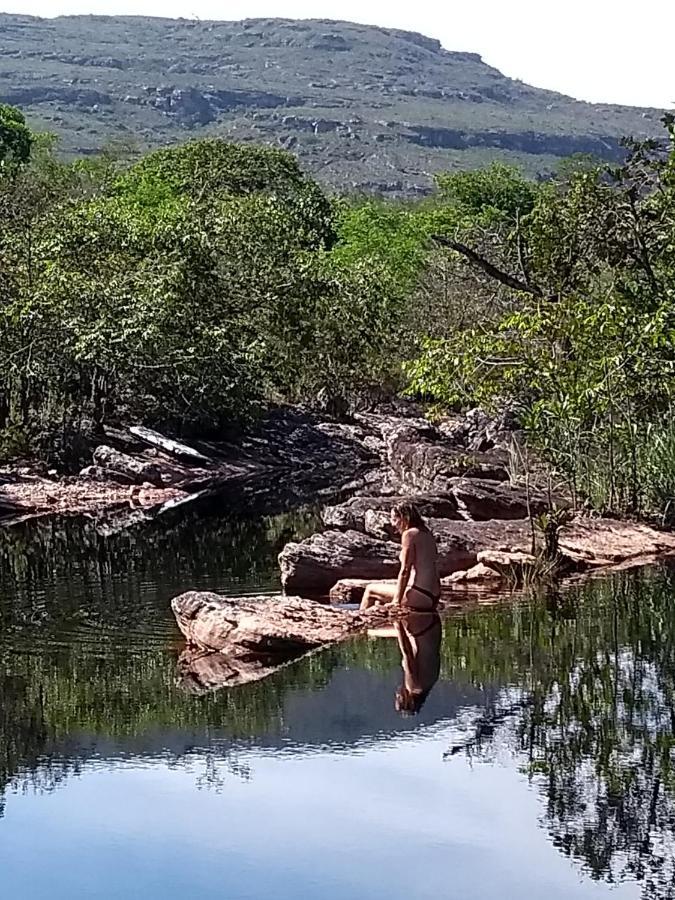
(365,109)
(195,286)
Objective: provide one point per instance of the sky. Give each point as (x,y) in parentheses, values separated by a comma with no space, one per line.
(614,51)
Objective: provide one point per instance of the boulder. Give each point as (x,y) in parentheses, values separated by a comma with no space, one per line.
(349,590)
(272,629)
(138,471)
(479,572)
(315,564)
(351,515)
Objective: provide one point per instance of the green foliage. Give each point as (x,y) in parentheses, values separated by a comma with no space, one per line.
(493,193)
(585,350)
(187,290)
(16,138)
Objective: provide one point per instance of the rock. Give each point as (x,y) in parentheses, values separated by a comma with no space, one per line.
(137,470)
(479,572)
(314,565)
(98,473)
(481,499)
(433,467)
(392,427)
(274,628)
(607,541)
(351,515)
(349,590)
(378,525)
(472,499)
(510,565)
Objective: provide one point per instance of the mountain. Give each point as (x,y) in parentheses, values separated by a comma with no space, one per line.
(364,108)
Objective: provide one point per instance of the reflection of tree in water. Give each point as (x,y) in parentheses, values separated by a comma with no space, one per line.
(54,703)
(591,714)
(54,569)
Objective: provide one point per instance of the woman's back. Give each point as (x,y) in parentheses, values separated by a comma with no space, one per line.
(424,572)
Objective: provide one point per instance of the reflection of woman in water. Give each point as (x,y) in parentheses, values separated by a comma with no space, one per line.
(419,637)
(418,586)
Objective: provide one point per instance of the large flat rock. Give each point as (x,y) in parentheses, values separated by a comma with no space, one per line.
(267,629)
(313,566)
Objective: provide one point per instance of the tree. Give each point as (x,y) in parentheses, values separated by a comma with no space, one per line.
(16,138)
(584,346)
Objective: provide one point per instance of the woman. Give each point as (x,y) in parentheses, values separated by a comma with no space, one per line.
(418,587)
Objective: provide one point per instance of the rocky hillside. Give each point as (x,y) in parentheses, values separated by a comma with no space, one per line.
(365,108)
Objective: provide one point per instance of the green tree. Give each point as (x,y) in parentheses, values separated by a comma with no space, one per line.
(16,138)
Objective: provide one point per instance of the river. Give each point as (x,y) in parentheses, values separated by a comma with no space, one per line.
(541,764)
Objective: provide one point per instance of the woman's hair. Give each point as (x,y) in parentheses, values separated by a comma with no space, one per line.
(408,703)
(411,514)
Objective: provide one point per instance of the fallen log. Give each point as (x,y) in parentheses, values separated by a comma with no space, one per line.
(139,470)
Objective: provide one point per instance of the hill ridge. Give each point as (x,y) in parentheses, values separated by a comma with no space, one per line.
(365,108)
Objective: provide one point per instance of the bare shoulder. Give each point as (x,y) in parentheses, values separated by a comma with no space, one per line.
(410,536)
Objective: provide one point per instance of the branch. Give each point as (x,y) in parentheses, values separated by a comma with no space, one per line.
(502,277)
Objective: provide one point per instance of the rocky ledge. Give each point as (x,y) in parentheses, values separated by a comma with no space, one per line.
(134,468)
(459,473)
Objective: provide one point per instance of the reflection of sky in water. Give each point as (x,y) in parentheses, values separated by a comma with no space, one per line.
(386,823)
(309,784)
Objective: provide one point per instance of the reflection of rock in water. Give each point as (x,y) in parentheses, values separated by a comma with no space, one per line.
(203,671)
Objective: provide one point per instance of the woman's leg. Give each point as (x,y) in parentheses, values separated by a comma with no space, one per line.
(378,592)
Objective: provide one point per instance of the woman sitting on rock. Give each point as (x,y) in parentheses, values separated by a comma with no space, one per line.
(418,587)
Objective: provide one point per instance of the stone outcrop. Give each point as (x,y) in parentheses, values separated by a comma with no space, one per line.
(471,499)
(351,515)
(315,565)
(427,466)
(272,628)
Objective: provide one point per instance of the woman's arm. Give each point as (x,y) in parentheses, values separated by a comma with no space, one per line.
(407,559)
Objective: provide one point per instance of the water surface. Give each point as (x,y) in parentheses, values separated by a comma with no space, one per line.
(541,764)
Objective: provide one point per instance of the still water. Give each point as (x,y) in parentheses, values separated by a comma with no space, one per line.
(540,766)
